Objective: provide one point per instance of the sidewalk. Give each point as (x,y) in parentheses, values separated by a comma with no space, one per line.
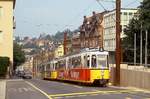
(2,89)
(131,88)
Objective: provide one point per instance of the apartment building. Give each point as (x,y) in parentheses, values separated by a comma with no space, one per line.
(110,28)
(6,28)
(59,51)
(76,45)
(91,31)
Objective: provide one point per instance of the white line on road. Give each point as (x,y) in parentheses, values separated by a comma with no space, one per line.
(20,90)
(72,85)
(12,89)
(15,80)
(39,90)
(128,98)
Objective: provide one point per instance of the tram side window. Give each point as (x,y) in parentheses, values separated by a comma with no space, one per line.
(94,61)
(76,61)
(56,65)
(53,66)
(88,61)
(62,64)
(70,63)
(85,61)
(41,68)
(48,67)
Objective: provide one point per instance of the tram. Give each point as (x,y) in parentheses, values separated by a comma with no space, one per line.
(88,66)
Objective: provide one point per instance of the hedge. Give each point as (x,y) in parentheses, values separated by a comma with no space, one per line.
(4,63)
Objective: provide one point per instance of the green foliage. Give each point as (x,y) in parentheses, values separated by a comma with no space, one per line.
(4,63)
(19,56)
(30,45)
(135,27)
(59,36)
(145,14)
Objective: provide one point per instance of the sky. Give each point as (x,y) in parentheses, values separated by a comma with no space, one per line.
(34,17)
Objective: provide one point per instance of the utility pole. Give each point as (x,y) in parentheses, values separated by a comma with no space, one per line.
(134,48)
(141,45)
(118,46)
(65,43)
(146,48)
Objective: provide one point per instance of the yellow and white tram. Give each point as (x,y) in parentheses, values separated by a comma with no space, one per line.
(88,66)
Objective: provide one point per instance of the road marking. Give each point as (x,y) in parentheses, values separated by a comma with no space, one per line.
(58,98)
(81,93)
(20,90)
(69,96)
(48,96)
(31,89)
(25,89)
(15,80)
(92,93)
(94,90)
(72,85)
(128,98)
(77,86)
(12,89)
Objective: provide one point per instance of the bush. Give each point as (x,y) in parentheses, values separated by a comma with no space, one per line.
(4,63)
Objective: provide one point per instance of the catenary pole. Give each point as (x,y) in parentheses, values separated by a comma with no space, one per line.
(141,45)
(146,47)
(134,48)
(118,46)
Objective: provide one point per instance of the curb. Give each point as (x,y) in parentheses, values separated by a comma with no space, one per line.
(131,88)
(2,89)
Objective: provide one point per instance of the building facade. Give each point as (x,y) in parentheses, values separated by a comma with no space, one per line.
(76,45)
(7,24)
(91,31)
(28,65)
(110,28)
(6,28)
(59,51)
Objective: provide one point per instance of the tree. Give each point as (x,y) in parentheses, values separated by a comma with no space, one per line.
(128,41)
(18,54)
(135,27)
(145,14)
(4,63)
(59,36)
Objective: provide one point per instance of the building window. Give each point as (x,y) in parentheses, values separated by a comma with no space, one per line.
(130,13)
(1,36)
(125,13)
(125,16)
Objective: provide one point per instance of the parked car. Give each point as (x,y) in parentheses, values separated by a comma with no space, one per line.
(20,73)
(27,75)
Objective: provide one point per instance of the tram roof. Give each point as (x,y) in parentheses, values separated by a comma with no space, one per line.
(85,51)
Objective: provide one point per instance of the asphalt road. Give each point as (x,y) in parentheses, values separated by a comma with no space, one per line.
(19,89)
(44,89)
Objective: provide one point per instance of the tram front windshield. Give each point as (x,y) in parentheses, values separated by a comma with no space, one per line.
(102,61)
